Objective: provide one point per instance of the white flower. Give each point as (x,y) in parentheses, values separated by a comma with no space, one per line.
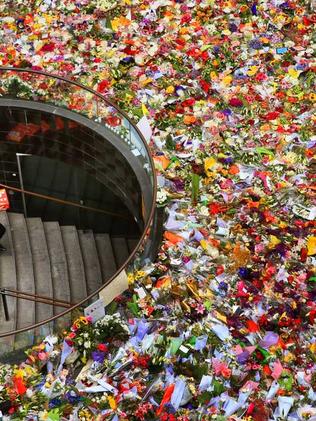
(161,196)
(307,412)
(87,344)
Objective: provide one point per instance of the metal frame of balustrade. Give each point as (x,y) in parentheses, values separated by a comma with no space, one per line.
(150,225)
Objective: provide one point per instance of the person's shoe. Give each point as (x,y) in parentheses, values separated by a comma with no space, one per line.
(2,248)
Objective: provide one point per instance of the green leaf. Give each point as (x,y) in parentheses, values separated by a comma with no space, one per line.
(286,383)
(205,397)
(264,151)
(208,305)
(195,183)
(218,388)
(111,308)
(170,143)
(133,306)
(53,415)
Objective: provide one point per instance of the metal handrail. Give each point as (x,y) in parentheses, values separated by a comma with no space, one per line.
(63,202)
(151,213)
(35,297)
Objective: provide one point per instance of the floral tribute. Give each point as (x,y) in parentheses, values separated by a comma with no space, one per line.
(222,326)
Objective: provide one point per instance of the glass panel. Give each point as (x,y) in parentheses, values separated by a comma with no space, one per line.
(27,85)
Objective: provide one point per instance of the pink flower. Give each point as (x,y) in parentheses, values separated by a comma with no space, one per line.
(200,308)
(236,102)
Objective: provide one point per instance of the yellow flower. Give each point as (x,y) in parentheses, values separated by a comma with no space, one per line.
(227,80)
(140,274)
(252,70)
(313,347)
(312,96)
(118,22)
(130,279)
(208,164)
(311,246)
(288,357)
(170,90)
(145,110)
(112,402)
(274,241)
(293,73)
(290,158)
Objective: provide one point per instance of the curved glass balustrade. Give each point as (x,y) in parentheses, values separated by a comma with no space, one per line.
(19,87)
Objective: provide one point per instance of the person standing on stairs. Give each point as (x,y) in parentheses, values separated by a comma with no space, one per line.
(2,232)
(4,205)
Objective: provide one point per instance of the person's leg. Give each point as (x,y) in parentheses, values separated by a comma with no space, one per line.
(2,232)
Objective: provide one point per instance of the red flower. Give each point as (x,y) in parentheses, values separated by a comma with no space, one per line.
(103,85)
(19,385)
(250,408)
(252,326)
(113,121)
(186,18)
(261,77)
(236,102)
(205,85)
(312,316)
(215,208)
(48,48)
(205,56)
(188,102)
(102,347)
(271,116)
(141,361)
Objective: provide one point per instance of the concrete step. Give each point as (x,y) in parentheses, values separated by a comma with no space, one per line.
(58,263)
(120,249)
(7,280)
(25,277)
(41,267)
(77,278)
(106,256)
(132,243)
(90,260)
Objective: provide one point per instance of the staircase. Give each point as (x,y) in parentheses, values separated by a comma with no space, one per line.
(53,261)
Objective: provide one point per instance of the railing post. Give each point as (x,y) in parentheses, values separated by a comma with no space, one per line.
(5,304)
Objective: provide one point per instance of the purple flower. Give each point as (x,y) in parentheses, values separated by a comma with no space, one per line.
(254,9)
(179,184)
(227,111)
(244,273)
(269,339)
(98,356)
(222,285)
(255,44)
(242,357)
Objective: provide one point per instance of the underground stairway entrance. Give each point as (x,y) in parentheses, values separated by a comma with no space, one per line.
(79,177)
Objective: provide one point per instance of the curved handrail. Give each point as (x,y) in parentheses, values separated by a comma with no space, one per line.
(63,202)
(151,213)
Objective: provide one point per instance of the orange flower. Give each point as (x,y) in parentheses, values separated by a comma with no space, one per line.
(226,372)
(161,161)
(189,119)
(233,170)
(173,238)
